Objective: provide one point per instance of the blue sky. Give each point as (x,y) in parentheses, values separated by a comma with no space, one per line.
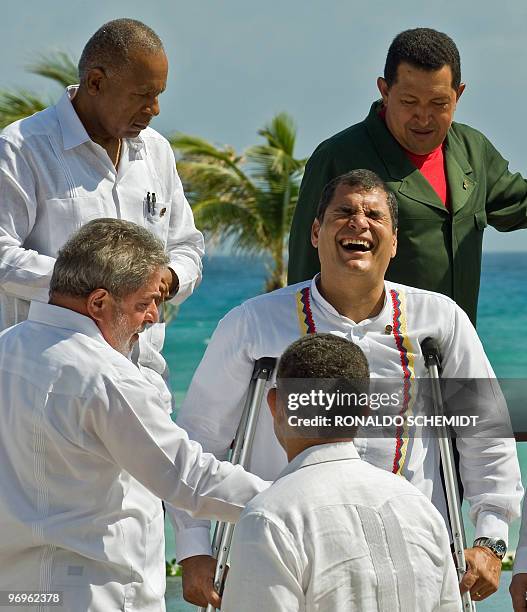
(234,64)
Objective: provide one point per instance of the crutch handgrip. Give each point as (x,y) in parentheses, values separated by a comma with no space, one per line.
(431,353)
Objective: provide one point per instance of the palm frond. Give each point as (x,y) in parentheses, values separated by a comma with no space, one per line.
(217,216)
(15,105)
(56,65)
(193,148)
(280,133)
(222,220)
(246,198)
(205,178)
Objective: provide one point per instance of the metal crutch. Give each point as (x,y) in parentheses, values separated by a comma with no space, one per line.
(241,449)
(432,358)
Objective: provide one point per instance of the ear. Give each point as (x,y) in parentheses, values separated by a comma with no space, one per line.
(271,400)
(459,91)
(95,81)
(277,411)
(394,245)
(315,230)
(99,304)
(383,88)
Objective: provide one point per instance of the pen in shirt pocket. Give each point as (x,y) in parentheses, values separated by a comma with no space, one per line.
(151,201)
(147,202)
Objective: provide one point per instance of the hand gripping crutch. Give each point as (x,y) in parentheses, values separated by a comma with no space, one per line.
(432,358)
(241,450)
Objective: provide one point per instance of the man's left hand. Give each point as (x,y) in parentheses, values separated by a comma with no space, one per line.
(198,579)
(482,577)
(169,284)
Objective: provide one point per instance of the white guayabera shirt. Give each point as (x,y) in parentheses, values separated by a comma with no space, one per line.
(54,179)
(87,448)
(335,533)
(265,325)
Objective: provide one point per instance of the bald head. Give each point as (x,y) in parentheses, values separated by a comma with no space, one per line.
(116,43)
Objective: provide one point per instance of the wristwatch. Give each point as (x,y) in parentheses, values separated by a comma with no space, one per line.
(498,547)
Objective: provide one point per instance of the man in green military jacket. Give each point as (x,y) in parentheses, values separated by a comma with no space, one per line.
(449,180)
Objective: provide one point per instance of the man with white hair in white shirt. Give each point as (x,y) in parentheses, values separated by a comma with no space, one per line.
(92,155)
(334,532)
(87,447)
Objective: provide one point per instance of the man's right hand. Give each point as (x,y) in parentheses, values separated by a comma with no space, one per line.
(198,580)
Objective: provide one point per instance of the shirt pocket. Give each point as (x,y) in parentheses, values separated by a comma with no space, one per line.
(61,217)
(157,216)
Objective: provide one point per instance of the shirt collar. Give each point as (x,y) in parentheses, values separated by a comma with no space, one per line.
(322,453)
(322,303)
(57,316)
(73,132)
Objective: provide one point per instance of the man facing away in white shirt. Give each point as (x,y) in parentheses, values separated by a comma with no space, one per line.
(87,446)
(334,532)
(92,155)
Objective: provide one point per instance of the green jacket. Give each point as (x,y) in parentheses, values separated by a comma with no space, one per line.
(437,250)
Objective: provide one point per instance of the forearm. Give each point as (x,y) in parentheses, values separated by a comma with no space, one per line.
(506,203)
(491,477)
(177,469)
(185,262)
(24,273)
(185,245)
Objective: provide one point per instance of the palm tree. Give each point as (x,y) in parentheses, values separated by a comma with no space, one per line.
(21,103)
(248,198)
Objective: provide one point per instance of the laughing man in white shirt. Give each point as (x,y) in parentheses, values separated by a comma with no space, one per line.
(87,446)
(333,532)
(356,236)
(92,155)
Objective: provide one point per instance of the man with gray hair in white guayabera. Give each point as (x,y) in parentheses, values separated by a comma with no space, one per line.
(87,447)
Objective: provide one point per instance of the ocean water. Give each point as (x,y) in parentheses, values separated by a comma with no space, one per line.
(228,280)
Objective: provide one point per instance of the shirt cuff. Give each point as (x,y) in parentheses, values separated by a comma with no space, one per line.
(187,281)
(174,290)
(520,561)
(491,525)
(192,542)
